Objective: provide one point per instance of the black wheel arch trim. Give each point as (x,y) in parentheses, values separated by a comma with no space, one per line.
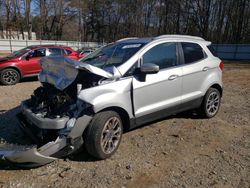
(219,87)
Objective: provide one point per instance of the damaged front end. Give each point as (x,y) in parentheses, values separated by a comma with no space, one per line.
(54,117)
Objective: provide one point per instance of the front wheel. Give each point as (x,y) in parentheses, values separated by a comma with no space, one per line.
(9,76)
(211,103)
(104,134)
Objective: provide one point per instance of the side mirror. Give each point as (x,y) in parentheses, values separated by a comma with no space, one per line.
(27,57)
(149,68)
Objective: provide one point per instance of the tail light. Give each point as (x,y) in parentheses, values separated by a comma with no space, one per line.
(221,65)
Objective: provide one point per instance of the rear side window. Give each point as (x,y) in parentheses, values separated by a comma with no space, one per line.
(54,52)
(192,52)
(163,55)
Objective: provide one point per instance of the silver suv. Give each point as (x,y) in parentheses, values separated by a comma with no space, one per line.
(121,86)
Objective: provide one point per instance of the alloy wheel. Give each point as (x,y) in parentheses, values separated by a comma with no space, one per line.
(111,135)
(10,77)
(213,103)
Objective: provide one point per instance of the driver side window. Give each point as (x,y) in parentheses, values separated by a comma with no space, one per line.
(38,52)
(164,55)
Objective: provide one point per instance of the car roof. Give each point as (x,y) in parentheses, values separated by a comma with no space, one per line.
(162,37)
(134,40)
(46,46)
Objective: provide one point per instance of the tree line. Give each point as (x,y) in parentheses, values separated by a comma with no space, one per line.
(220,21)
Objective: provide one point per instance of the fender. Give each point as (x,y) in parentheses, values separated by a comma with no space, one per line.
(214,78)
(117,94)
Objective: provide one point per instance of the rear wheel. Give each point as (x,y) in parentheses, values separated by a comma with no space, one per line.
(211,103)
(104,134)
(9,76)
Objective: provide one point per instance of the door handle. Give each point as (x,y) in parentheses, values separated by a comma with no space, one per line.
(205,68)
(172,77)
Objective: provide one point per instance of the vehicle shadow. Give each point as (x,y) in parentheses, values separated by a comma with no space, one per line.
(191,114)
(9,129)
(27,79)
(10,134)
(81,156)
(30,79)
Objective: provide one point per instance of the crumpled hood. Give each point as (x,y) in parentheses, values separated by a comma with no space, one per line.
(62,71)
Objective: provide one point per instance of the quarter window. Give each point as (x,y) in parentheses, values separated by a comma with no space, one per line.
(163,55)
(192,52)
(212,50)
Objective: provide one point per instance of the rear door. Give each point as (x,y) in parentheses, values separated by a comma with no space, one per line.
(195,70)
(161,90)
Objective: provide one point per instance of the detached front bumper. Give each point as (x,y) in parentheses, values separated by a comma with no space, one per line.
(29,158)
(63,145)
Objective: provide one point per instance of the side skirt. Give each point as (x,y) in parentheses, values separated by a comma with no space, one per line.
(136,122)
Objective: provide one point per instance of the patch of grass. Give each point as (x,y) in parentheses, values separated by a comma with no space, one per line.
(4,54)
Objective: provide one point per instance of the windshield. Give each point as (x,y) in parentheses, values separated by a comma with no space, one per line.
(112,55)
(19,52)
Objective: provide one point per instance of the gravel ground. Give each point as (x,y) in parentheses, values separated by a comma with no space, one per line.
(180,151)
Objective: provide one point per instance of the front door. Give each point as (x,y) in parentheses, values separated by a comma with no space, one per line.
(32,65)
(159,91)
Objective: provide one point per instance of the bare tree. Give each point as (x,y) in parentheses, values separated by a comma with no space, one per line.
(109,20)
(28,19)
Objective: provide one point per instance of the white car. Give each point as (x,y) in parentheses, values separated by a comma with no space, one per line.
(121,86)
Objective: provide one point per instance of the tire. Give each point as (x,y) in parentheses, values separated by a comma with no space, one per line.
(102,140)
(9,76)
(211,103)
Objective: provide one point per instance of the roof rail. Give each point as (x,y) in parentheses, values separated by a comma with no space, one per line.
(126,39)
(179,36)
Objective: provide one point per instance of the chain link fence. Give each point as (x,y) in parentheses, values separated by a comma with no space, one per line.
(7,45)
(232,51)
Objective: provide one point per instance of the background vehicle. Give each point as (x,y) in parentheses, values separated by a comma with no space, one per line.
(121,86)
(85,51)
(25,62)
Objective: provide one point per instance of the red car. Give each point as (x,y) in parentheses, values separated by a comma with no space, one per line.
(25,62)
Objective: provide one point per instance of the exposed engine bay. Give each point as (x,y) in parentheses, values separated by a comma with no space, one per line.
(50,102)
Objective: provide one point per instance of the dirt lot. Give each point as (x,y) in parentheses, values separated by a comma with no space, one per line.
(180,151)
